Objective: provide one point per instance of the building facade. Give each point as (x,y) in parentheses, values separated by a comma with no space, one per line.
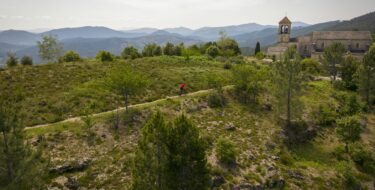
(357,43)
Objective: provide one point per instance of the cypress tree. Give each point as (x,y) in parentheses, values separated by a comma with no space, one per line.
(257,48)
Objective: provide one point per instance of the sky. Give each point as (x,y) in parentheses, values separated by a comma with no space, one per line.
(129,14)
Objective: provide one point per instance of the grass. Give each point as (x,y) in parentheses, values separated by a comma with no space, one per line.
(57,91)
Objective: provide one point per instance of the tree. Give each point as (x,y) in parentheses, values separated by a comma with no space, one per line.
(311,67)
(333,56)
(130,52)
(216,83)
(20,166)
(348,73)
(12,60)
(125,82)
(50,49)
(288,78)
(26,60)
(187,163)
(228,46)
(367,76)
(257,48)
(179,49)
(349,130)
(169,49)
(104,56)
(249,82)
(151,156)
(70,56)
(151,50)
(213,51)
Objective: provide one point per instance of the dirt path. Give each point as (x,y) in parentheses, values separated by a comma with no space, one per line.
(77,119)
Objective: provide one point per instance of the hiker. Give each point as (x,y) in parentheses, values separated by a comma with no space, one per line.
(182,88)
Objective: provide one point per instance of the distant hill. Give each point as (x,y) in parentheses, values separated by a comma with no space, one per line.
(365,22)
(89,32)
(18,37)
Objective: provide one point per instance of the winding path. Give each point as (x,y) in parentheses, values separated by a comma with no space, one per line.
(77,119)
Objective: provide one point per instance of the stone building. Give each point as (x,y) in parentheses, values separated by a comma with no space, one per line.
(356,42)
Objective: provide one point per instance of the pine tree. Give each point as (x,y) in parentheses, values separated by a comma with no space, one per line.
(367,76)
(288,79)
(151,155)
(333,57)
(187,164)
(20,166)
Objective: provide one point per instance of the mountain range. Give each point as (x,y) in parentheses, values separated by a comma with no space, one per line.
(88,40)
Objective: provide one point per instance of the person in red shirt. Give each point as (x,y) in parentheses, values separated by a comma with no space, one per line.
(182,88)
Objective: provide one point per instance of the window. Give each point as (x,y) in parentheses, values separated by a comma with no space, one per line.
(357,45)
(323,45)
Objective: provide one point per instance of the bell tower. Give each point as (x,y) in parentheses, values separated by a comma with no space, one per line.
(285,26)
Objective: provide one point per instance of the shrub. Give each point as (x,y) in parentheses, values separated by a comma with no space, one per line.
(311,66)
(105,56)
(227,65)
(349,130)
(225,151)
(12,60)
(216,100)
(213,51)
(131,116)
(349,104)
(70,56)
(363,158)
(26,60)
(260,55)
(326,115)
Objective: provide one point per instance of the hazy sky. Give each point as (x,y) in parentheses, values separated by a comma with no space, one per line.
(119,14)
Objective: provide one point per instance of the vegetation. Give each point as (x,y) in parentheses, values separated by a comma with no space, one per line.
(226,151)
(105,56)
(70,56)
(333,56)
(151,50)
(20,165)
(170,157)
(130,52)
(257,48)
(50,49)
(26,61)
(289,79)
(367,73)
(349,130)
(126,83)
(12,60)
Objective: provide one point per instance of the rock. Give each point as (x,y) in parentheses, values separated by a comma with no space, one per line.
(276,183)
(267,107)
(247,186)
(296,175)
(72,183)
(71,167)
(275,158)
(217,181)
(230,127)
(36,140)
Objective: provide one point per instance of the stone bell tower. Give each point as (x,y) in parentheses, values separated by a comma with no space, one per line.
(285,26)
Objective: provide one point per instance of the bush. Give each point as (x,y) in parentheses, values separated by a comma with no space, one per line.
(311,66)
(349,104)
(260,55)
(326,115)
(213,51)
(216,100)
(70,56)
(227,65)
(26,60)
(105,56)
(131,116)
(12,60)
(363,157)
(225,151)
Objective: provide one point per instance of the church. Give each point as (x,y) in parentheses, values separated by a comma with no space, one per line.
(357,43)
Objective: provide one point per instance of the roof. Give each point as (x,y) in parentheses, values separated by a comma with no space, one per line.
(342,35)
(285,20)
